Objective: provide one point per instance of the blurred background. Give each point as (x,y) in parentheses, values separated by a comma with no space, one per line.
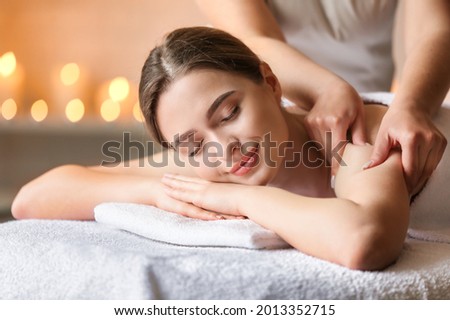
(69,71)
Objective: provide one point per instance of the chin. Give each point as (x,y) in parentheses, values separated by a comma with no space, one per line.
(262,177)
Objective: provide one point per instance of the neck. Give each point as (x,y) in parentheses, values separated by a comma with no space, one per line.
(304,170)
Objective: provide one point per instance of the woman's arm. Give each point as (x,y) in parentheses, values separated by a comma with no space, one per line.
(72,192)
(364,228)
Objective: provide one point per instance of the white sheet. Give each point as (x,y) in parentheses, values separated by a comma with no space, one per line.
(42,259)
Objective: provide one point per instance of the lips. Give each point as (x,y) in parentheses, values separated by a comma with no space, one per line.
(247,162)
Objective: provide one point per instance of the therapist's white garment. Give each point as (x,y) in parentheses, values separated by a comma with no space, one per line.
(349,37)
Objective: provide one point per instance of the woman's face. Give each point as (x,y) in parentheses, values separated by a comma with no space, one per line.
(224,125)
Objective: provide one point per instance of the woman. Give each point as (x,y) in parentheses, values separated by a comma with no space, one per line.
(233,151)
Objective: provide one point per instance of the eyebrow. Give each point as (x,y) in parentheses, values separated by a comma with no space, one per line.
(212,108)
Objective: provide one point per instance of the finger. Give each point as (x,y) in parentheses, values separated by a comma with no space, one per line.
(423,177)
(184,195)
(380,151)
(359,130)
(410,156)
(191,211)
(180,177)
(339,140)
(233,217)
(432,161)
(312,129)
(179,184)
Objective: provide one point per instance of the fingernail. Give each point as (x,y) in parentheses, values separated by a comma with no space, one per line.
(367,164)
(332,181)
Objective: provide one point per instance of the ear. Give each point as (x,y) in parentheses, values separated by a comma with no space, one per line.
(270,79)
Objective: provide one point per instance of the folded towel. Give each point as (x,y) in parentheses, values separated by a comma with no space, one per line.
(160,225)
(430,211)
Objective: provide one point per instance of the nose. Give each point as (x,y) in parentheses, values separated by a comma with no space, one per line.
(230,151)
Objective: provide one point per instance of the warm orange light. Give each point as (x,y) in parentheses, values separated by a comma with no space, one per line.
(119,88)
(7,64)
(69,74)
(9,109)
(110,110)
(39,110)
(137,113)
(75,110)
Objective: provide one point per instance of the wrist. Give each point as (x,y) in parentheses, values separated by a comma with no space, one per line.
(335,86)
(247,196)
(147,190)
(411,105)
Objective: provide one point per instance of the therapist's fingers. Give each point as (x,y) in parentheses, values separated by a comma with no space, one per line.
(410,162)
(336,150)
(358,130)
(381,149)
(432,160)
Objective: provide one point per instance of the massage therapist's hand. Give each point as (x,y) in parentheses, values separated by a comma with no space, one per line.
(220,198)
(421,142)
(338,109)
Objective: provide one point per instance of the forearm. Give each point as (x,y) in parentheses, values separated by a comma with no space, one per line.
(72,192)
(425,79)
(309,225)
(337,230)
(302,80)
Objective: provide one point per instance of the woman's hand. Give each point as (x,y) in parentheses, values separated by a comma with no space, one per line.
(337,110)
(168,203)
(203,198)
(421,142)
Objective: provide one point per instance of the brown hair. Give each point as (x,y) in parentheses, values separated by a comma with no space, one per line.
(184,50)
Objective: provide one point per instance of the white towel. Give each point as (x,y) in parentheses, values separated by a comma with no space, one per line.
(60,259)
(160,225)
(430,211)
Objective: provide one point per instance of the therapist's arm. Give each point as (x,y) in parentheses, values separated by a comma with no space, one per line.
(425,77)
(252,22)
(424,82)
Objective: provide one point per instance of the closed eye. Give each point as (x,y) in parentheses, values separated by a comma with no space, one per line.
(229,117)
(232,114)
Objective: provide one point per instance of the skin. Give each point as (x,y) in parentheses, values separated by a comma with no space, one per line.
(334,104)
(361,224)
